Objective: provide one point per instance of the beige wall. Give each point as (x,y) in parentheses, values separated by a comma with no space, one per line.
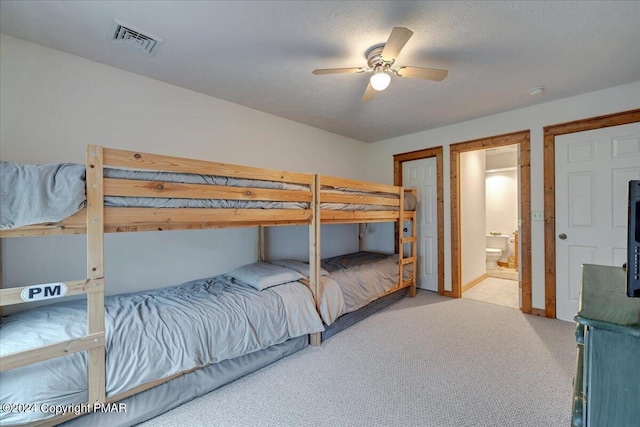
(534,118)
(53,104)
(472,215)
(502,201)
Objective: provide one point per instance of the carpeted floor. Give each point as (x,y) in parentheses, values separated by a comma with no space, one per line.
(424,361)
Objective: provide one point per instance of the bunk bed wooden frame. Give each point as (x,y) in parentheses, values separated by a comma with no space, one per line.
(97,219)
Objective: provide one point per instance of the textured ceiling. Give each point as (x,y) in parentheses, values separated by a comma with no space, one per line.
(261,54)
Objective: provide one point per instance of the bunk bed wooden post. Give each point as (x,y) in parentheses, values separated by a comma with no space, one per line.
(414,252)
(0,273)
(315,250)
(401,238)
(261,243)
(95,271)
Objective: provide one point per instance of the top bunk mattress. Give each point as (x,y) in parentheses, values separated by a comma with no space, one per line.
(47,193)
(151,335)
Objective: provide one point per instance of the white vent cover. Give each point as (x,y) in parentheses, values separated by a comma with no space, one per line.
(134,38)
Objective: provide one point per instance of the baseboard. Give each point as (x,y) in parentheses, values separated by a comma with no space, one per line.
(503,264)
(474,282)
(538,312)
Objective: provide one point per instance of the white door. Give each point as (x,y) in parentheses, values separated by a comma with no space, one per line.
(593,169)
(422,174)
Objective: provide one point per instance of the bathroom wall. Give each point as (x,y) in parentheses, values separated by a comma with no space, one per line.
(472,215)
(502,157)
(502,203)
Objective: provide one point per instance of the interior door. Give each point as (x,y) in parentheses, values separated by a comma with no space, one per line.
(422,174)
(592,173)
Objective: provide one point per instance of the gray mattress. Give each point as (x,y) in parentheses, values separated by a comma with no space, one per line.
(362,277)
(151,335)
(35,194)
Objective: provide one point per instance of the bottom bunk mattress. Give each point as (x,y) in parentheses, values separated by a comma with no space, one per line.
(149,336)
(354,280)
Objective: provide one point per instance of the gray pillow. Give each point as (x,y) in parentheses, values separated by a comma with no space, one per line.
(299,266)
(262,275)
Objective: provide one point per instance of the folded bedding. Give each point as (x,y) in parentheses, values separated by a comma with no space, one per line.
(41,193)
(151,335)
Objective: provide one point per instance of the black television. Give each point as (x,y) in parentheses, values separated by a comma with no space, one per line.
(633,241)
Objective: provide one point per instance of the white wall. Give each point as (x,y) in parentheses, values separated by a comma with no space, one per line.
(380,164)
(53,104)
(502,160)
(502,202)
(472,215)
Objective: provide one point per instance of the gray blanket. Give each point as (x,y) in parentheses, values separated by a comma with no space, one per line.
(36,194)
(363,277)
(151,335)
(33,194)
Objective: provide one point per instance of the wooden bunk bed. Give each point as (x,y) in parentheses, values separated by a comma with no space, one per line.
(382,203)
(314,191)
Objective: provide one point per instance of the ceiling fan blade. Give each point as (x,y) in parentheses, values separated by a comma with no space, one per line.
(422,73)
(398,38)
(368,93)
(338,70)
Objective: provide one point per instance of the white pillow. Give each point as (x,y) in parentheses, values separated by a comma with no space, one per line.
(299,266)
(262,275)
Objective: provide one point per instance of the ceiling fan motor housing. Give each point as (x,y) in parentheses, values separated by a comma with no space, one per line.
(374,58)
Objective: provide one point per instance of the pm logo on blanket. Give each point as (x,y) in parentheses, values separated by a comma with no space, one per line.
(44,291)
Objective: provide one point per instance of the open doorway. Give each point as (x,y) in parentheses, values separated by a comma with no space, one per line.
(489,225)
(520,141)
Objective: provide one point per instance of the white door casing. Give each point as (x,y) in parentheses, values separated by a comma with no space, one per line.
(592,170)
(422,174)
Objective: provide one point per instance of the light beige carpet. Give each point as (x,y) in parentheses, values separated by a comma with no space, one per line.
(424,361)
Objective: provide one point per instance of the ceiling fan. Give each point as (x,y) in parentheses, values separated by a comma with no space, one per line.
(381,58)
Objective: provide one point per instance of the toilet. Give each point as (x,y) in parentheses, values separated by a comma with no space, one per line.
(495,246)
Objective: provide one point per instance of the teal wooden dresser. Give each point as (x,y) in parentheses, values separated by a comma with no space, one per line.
(607,381)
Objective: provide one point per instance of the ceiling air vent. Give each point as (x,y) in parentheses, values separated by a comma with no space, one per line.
(135,38)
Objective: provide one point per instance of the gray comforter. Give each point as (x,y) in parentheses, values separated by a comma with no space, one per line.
(35,194)
(151,335)
(362,277)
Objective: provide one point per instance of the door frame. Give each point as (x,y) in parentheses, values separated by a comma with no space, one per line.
(426,153)
(550,133)
(522,138)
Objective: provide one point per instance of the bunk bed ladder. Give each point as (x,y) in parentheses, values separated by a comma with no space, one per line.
(95,271)
(402,240)
(93,287)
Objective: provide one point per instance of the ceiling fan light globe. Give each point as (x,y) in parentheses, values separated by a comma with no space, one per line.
(380,81)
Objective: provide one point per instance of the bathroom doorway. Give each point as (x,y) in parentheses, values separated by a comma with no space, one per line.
(489,193)
(507,227)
